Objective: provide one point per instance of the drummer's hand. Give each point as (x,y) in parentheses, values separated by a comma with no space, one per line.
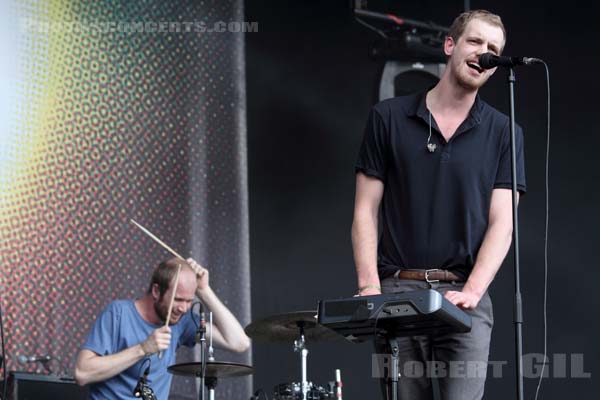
(201,274)
(158,340)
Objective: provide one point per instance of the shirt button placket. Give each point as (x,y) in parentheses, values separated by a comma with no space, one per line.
(446,150)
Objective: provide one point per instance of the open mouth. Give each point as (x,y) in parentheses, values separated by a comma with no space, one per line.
(475,66)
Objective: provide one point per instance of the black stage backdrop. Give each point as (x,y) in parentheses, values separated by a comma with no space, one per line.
(310,84)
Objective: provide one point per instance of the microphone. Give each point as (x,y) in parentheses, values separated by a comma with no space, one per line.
(142,389)
(201,330)
(137,391)
(23,359)
(489,60)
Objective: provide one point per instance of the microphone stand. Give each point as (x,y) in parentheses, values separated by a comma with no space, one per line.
(201,338)
(518,305)
(46,365)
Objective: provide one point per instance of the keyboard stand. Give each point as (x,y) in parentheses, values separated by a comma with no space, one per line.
(395,374)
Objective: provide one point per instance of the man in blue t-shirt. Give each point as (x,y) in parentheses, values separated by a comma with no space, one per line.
(128,335)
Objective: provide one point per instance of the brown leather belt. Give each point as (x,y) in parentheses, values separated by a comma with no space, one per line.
(428,275)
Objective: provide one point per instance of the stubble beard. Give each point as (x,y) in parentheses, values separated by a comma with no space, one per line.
(467,82)
(160,310)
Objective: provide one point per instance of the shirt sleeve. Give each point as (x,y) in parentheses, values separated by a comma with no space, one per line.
(372,157)
(104,334)
(503,175)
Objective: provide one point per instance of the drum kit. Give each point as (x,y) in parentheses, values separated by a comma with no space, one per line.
(297,328)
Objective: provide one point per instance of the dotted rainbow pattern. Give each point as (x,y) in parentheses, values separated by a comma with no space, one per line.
(108,126)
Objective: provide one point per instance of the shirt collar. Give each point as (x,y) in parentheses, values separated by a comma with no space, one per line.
(419,109)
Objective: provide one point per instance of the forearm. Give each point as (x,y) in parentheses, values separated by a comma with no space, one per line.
(228,333)
(92,367)
(494,248)
(364,245)
(369,192)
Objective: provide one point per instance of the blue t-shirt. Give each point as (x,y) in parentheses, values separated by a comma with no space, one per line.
(120,326)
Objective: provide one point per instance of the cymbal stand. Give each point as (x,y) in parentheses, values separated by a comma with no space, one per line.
(211,350)
(211,383)
(300,346)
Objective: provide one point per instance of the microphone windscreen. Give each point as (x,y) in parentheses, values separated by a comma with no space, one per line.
(488,60)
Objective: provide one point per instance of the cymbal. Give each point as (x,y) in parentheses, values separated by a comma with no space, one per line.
(214,369)
(287,327)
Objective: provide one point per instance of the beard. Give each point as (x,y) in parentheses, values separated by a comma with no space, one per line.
(161,307)
(466,81)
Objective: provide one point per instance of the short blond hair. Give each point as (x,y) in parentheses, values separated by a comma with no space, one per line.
(461,22)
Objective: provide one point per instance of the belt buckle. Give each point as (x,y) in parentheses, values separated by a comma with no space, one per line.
(427,271)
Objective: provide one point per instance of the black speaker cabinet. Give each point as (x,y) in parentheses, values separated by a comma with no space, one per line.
(29,386)
(401,78)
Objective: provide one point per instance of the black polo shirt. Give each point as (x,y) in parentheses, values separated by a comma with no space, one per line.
(435,206)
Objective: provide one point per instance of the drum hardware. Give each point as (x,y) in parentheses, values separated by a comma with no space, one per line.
(300,347)
(299,328)
(214,369)
(211,350)
(338,384)
(212,373)
(208,370)
(293,391)
(201,338)
(143,389)
(284,328)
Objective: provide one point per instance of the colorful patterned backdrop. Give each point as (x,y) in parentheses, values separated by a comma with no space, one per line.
(102,124)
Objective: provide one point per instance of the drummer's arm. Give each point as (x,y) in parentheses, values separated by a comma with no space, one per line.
(227,332)
(92,367)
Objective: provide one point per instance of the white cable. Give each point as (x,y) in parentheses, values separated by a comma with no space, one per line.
(537,390)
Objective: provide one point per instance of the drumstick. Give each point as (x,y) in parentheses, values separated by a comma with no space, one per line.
(166,247)
(172,300)
(163,244)
(173,294)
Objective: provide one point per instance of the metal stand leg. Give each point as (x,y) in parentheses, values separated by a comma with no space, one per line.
(395,370)
(300,346)
(304,374)
(203,370)
(211,383)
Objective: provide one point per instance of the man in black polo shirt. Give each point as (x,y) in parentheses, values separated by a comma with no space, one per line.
(438,164)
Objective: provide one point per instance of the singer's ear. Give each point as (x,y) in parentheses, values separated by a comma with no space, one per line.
(449,44)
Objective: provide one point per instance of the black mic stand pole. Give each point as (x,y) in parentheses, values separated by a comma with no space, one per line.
(518,310)
(202,340)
